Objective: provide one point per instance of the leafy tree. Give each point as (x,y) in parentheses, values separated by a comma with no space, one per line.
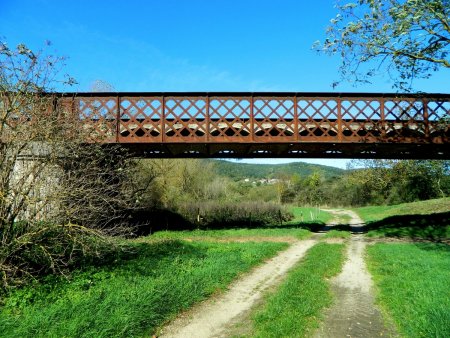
(405,39)
(417,180)
(394,181)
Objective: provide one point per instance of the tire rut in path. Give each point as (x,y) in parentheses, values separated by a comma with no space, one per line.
(354,313)
(212,317)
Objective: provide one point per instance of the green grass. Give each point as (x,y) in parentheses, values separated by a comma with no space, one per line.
(294,310)
(133,296)
(344,219)
(419,220)
(413,282)
(234,233)
(377,213)
(337,234)
(300,227)
(309,215)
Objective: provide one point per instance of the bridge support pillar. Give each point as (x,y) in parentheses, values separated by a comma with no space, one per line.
(34,190)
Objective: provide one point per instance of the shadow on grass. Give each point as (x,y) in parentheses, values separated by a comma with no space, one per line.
(433,227)
(155,269)
(435,247)
(149,221)
(142,259)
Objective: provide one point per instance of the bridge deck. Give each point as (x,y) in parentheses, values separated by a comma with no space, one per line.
(268,124)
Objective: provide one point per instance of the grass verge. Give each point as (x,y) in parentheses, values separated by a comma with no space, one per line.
(133,296)
(230,234)
(294,310)
(310,215)
(419,220)
(413,282)
(377,213)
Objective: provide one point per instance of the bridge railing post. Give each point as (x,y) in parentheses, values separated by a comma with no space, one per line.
(296,131)
(252,117)
(382,118)
(208,119)
(426,118)
(118,119)
(163,118)
(339,116)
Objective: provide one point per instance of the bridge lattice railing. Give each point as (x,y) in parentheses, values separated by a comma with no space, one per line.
(264,117)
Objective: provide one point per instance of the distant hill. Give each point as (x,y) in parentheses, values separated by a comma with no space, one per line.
(238,171)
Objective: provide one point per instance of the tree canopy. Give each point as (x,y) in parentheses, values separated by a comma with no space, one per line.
(405,39)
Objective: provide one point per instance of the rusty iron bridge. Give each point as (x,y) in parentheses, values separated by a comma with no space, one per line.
(247,125)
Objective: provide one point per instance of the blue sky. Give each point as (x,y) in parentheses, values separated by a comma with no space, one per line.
(194,45)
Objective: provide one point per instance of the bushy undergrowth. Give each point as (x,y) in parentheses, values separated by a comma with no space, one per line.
(214,214)
(42,248)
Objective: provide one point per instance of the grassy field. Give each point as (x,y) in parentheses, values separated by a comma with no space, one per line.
(413,282)
(230,234)
(294,310)
(377,213)
(132,296)
(419,220)
(305,219)
(310,215)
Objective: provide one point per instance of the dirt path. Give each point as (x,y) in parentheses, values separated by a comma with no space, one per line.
(354,313)
(212,317)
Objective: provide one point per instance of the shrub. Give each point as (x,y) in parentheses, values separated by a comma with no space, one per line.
(43,248)
(213,214)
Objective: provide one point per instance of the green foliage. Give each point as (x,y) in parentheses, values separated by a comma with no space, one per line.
(165,183)
(264,193)
(378,182)
(311,190)
(132,296)
(294,310)
(413,282)
(404,39)
(392,182)
(239,171)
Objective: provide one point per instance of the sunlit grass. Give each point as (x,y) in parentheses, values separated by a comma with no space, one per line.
(310,215)
(419,220)
(294,310)
(376,213)
(337,234)
(230,234)
(132,296)
(413,282)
